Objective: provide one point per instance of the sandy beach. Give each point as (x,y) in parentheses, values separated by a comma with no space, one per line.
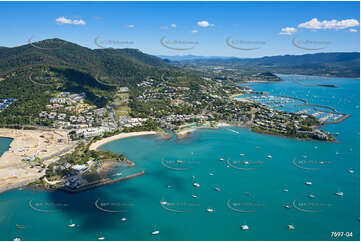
(14,173)
(99,143)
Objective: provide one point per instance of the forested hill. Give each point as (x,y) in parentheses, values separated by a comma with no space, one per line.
(116,66)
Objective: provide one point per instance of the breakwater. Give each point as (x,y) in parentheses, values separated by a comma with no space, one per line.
(102,182)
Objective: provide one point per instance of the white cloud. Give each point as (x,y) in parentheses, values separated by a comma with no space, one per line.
(63,20)
(329,24)
(288,30)
(204,24)
(353,30)
(194,31)
(173,25)
(131,26)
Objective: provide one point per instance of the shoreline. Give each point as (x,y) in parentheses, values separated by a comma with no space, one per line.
(97,144)
(15,172)
(188,131)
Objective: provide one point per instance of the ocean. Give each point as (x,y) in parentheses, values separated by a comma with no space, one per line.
(259,177)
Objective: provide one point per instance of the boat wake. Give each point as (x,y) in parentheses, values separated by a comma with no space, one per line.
(234,131)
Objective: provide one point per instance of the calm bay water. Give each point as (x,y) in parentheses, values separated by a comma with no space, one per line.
(254,197)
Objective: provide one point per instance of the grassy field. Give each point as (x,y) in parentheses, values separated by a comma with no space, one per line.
(120,104)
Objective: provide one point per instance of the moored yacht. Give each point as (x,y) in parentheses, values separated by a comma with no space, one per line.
(196,184)
(244,227)
(339,194)
(210,210)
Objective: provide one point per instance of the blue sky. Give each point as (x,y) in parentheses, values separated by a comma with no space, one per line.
(254,26)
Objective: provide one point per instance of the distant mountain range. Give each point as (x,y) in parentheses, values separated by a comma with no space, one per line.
(343,64)
(190,57)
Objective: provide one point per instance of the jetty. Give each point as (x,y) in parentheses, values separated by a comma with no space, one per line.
(95,184)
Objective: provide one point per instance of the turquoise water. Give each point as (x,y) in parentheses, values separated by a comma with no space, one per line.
(255,196)
(4,144)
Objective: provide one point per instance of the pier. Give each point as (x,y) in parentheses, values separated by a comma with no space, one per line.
(102,182)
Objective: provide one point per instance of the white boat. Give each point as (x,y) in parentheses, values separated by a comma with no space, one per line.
(163,202)
(339,194)
(241,154)
(211,174)
(244,227)
(291,227)
(246,162)
(194,196)
(101,238)
(351,171)
(308,183)
(71,225)
(312,196)
(196,184)
(222,159)
(210,210)
(287,206)
(217,189)
(124,219)
(17,239)
(155,232)
(285,190)
(269,156)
